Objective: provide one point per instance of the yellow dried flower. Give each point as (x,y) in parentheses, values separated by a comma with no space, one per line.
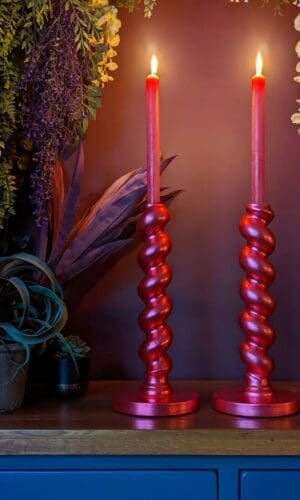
(96,83)
(111,66)
(99,3)
(115,41)
(92,41)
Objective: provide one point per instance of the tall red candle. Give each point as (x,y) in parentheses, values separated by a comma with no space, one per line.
(153,137)
(258,134)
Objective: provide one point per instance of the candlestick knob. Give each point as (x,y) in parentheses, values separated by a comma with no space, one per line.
(155,397)
(260,305)
(256,398)
(158,305)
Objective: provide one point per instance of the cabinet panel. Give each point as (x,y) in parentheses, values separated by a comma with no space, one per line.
(270,485)
(109,485)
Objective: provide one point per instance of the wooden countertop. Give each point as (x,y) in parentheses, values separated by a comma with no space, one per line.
(88,426)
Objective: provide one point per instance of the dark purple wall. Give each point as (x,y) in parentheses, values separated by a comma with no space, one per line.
(207,51)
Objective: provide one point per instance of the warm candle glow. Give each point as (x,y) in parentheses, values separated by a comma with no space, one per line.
(258,134)
(259,64)
(154,65)
(153,139)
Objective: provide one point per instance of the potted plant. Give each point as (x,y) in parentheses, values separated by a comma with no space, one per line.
(70,362)
(32,312)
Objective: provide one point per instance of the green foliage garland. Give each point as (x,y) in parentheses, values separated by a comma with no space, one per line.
(133,4)
(10,14)
(20,22)
(24,27)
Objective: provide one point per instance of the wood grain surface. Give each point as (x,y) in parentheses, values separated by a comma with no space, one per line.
(89,426)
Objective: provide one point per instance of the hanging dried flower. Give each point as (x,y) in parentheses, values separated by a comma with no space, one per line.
(55,58)
(64,74)
(296,116)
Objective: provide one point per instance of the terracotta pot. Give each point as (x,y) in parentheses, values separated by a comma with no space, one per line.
(12,393)
(66,381)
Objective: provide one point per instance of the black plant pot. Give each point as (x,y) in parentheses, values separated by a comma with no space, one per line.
(66,381)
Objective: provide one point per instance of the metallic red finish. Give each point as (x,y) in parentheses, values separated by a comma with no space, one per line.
(258,139)
(158,305)
(153,139)
(256,398)
(178,403)
(260,305)
(239,402)
(155,396)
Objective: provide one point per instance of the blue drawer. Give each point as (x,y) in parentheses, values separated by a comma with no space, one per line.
(270,485)
(108,485)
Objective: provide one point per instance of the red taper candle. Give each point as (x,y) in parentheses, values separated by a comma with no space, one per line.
(153,134)
(258,134)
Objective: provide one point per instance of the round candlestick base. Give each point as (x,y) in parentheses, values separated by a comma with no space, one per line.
(180,402)
(238,402)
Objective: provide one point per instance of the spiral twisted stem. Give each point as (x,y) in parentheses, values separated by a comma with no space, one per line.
(158,305)
(259,303)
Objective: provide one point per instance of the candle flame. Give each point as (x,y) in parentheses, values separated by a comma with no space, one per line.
(154,65)
(259,64)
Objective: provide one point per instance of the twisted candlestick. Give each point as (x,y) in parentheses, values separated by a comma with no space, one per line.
(256,398)
(155,397)
(158,305)
(260,305)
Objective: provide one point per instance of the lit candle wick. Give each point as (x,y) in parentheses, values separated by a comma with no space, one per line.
(258,134)
(153,138)
(259,64)
(154,65)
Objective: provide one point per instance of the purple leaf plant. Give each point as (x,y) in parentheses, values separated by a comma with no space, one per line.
(74,240)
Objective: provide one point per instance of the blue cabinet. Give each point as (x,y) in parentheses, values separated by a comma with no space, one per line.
(108,485)
(148,478)
(270,485)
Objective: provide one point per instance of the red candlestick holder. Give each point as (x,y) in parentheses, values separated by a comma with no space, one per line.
(155,396)
(256,397)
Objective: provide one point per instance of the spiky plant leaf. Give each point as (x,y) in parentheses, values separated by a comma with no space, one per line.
(34,310)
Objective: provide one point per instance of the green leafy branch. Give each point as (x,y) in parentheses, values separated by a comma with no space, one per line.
(130,5)
(33,43)
(35,14)
(10,114)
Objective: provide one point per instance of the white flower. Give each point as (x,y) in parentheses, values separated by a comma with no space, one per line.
(297,23)
(296,118)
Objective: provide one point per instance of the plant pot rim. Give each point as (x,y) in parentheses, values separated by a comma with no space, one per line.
(7,347)
(57,356)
